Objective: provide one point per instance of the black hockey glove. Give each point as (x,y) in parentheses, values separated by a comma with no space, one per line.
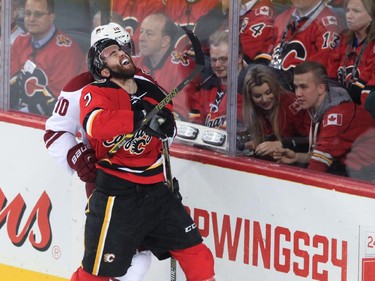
(161,125)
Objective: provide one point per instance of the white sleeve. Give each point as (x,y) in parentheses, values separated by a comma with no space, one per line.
(65,126)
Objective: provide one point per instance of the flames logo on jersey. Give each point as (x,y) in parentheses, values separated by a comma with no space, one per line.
(293,53)
(63,41)
(135,145)
(344,76)
(178,57)
(131,24)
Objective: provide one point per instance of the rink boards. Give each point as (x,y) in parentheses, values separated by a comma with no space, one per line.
(262,221)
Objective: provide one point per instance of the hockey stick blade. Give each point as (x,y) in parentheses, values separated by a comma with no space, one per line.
(199,65)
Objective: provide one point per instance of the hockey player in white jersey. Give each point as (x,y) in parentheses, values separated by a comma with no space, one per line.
(66,140)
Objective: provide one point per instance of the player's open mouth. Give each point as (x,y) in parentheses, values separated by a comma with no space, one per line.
(125,62)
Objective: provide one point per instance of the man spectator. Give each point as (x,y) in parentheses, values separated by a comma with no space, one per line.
(308,31)
(15,30)
(41,61)
(130,14)
(213,93)
(337,123)
(169,67)
(186,13)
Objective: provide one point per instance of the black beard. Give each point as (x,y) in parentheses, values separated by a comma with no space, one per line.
(122,75)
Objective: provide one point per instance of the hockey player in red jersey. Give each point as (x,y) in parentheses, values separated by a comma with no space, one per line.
(337,123)
(131,197)
(41,61)
(63,128)
(309,31)
(352,62)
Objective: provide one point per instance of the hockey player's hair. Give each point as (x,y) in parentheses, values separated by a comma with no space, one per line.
(94,62)
(317,69)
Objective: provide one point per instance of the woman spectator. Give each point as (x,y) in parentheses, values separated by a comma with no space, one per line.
(352,62)
(271,114)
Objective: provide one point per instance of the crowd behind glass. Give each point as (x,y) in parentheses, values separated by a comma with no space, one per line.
(318,115)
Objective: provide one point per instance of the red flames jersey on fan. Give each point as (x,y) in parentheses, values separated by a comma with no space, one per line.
(256,34)
(293,120)
(315,43)
(57,61)
(185,13)
(365,74)
(339,129)
(169,73)
(133,12)
(106,114)
(214,106)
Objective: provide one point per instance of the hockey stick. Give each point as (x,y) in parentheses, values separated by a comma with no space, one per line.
(168,174)
(199,65)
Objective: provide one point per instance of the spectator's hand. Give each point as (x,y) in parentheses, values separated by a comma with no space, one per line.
(285,155)
(267,148)
(161,125)
(82,160)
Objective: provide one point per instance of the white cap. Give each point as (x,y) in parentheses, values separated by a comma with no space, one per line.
(112,31)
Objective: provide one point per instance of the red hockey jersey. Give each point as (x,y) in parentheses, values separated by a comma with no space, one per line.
(305,40)
(339,128)
(257,31)
(293,121)
(56,62)
(106,114)
(170,72)
(213,112)
(133,12)
(341,67)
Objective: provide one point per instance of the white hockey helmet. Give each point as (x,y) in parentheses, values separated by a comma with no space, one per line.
(114,31)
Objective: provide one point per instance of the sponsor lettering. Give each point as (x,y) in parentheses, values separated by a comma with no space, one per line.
(36,229)
(273,247)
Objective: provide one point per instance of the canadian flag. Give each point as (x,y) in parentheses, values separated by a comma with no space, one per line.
(329,20)
(264,10)
(333,119)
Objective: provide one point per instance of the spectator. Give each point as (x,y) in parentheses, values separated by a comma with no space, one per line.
(16,30)
(272,115)
(257,31)
(131,13)
(42,60)
(169,67)
(132,199)
(352,62)
(337,123)
(256,27)
(186,13)
(308,31)
(63,127)
(213,93)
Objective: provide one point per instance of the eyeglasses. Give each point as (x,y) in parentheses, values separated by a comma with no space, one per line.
(36,14)
(221,60)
